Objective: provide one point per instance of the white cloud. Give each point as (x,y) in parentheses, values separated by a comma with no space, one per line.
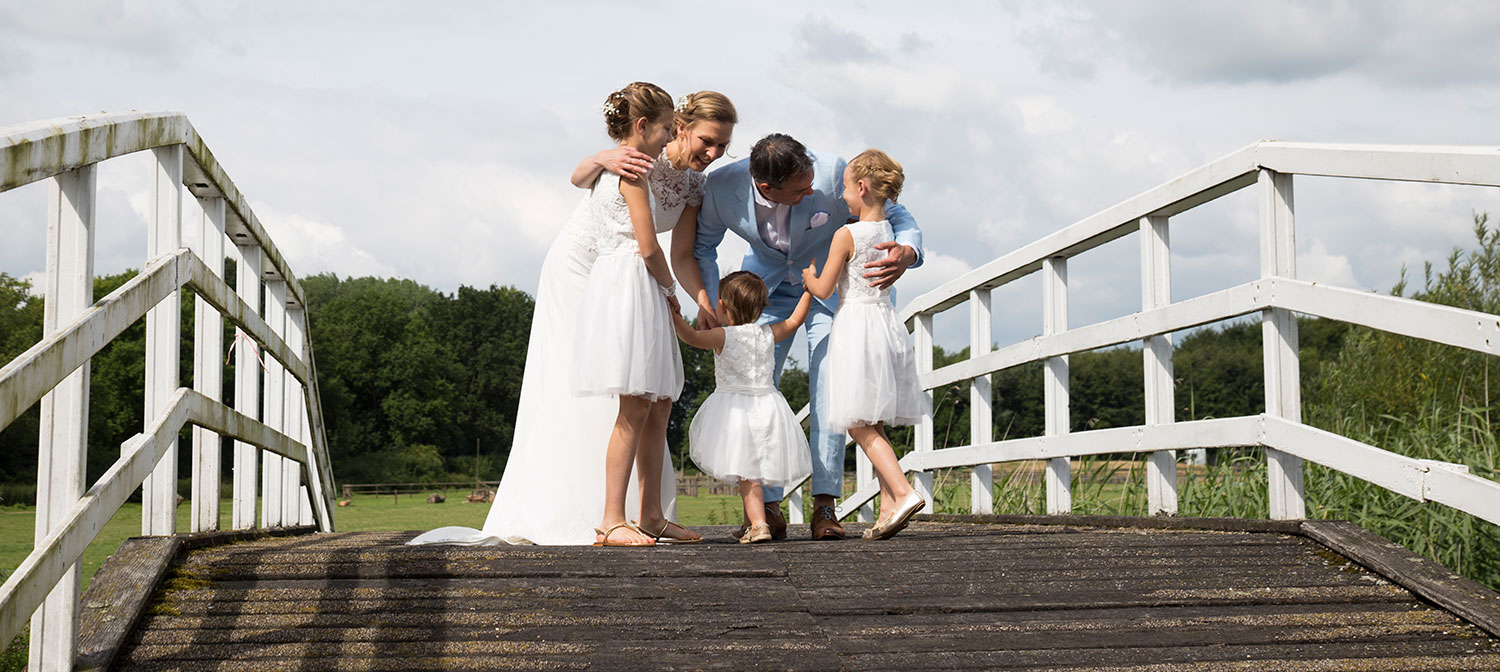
(311,246)
(1316,264)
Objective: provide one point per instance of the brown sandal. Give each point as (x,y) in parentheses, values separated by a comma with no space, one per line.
(661,537)
(625,544)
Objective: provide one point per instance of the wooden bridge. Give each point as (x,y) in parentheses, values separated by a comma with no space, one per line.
(1059,591)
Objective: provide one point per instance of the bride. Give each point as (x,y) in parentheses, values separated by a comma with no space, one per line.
(552,491)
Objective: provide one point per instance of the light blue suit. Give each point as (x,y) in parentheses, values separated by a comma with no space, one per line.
(729,205)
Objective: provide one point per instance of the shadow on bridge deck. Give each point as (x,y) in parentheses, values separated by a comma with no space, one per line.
(944,594)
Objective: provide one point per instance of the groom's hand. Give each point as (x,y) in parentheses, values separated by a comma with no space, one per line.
(883,273)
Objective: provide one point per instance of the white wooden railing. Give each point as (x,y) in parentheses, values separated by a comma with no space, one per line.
(1270,167)
(283,439)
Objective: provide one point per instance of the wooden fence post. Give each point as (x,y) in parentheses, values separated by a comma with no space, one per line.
(163,339)
(1278,247)
(62,444)
(247,373)
(294,424)
(1059,476)
(1156,292)
(922,436)
(208,370)
(981,404)
(274,399)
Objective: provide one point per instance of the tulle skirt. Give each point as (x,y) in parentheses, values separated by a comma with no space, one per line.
(872,369)
(625,344)
(746,436)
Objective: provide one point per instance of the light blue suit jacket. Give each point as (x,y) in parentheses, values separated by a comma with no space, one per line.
(729,205)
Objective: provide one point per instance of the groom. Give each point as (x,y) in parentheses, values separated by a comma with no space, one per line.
(787,202)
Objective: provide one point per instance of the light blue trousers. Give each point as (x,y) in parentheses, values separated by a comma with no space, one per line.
(827,446)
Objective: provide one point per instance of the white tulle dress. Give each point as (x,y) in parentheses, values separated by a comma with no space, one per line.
(745,430)
(872,368)
(625,344)
(552,491)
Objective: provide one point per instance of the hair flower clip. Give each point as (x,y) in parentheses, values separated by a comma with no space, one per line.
(608,108)
(682,104)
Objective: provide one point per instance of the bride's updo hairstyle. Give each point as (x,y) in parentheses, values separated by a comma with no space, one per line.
(742,295)
(638,100)
(705,106)
(880,171)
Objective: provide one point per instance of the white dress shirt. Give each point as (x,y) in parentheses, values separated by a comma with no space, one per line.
(772,220)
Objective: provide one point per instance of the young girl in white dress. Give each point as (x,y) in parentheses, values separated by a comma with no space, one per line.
(745,432)
(872,370)
(624,345)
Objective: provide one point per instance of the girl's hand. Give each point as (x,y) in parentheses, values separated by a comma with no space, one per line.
(707,319)
(810,273)
(676,307)
(627,162)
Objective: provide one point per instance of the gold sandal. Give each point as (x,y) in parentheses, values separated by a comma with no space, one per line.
(621,544)
(661,537)
(756,534)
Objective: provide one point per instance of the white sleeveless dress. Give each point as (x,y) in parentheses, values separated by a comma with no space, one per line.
(552,490)
(872,368)
(624,344)
(745,430)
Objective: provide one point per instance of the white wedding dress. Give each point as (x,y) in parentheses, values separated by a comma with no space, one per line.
(552,491)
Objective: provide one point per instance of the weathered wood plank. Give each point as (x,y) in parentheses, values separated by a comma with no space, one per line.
(1471,601)
(1434,656)
(117,597)
(940,595)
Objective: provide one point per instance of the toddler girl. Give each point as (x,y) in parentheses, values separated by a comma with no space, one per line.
(624,345)
(872,372)
(744,432)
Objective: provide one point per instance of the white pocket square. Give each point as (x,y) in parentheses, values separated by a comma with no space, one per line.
(818,219)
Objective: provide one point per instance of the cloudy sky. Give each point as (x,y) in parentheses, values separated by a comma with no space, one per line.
(434,140)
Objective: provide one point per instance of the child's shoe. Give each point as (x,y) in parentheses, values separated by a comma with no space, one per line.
(756,534)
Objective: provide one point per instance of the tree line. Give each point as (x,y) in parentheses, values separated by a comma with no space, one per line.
(420,385)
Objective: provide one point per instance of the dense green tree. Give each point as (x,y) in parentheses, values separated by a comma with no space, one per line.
(487,331)
(20,328)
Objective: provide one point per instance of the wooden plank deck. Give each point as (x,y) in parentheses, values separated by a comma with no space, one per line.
(941,595)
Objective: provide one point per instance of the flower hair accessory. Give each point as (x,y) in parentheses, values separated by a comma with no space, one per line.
(682,104)
(608,108)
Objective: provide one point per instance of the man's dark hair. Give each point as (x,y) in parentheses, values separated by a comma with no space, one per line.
(777,158)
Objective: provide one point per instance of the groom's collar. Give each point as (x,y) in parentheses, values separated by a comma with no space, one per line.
(760,199)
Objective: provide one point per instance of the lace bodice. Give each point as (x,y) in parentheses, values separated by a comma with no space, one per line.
(745,364)
(674,190)
(853,287)
(614,231)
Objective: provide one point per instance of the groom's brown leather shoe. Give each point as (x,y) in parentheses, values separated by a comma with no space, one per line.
(825,524)
(776,520)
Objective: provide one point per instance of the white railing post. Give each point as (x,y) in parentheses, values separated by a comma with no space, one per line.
(1278,246)
(922,435)
(981,404)
(62,444)
(274,399)
(292,422)
(247,372)
(208,370)
(793,501)
(1156,292)
(1059,476)
(163,339)
(864,472)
